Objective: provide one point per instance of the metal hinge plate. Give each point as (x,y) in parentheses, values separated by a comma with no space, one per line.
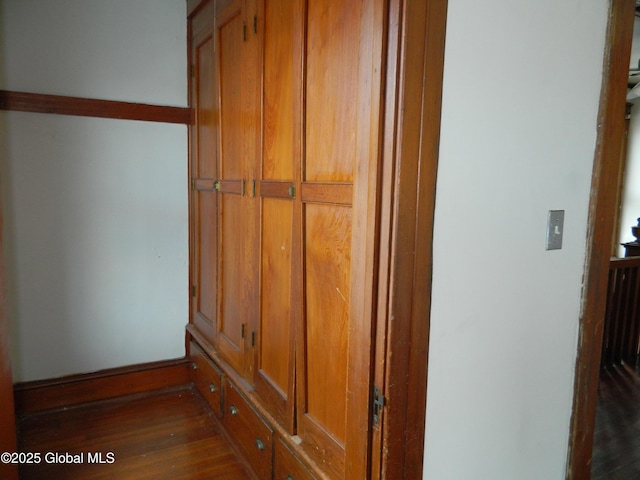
(378,403)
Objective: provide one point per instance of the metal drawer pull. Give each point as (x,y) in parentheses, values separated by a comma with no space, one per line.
(260,444)
(289,477)
(212,388)
(194,365)
(233,410)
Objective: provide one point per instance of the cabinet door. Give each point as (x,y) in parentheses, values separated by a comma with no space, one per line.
(274,379)
(203,170)
(239,120)
(339,215)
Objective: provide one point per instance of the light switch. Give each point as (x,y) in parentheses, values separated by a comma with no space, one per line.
(555,229)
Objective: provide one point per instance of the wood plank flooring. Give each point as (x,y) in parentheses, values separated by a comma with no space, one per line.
(616,449)
(163,436)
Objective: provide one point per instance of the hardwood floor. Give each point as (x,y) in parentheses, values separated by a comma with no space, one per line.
(163,436)
(616,449)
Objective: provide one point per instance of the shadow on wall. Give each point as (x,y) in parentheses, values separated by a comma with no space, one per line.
(95,210)
(35,267)
(6,210)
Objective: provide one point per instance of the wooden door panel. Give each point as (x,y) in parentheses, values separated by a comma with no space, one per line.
(331,90)
(251,138)
(202,169)
(278,161)
(230,261)
(206,102)
(276,187)
(206,268)
(275,340)
(327,261)
(231,328)
(337,191)
(230,33)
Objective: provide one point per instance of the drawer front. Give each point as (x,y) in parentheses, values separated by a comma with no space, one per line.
(287,466)
(252,435)
(207,378)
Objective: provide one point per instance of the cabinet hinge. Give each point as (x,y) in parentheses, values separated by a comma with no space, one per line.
(244,32)
(253,339)
(193,290)
(255,24)
(378,403)
(192,70)
(193,184)
(242,331)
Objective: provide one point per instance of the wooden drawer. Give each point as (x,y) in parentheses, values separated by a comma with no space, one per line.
(287,466)
(207,378)
(253,436)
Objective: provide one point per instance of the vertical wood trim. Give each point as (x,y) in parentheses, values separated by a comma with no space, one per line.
(192,141)
(413,155)
(378,458)
(7,411)
(611,125)
(365,236)
(297,241)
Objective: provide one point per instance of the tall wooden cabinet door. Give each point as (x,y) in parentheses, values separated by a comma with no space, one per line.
(203,167)
(339,215)
(239,119)
(274,379)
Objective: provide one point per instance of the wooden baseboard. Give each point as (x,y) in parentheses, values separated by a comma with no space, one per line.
(41,395)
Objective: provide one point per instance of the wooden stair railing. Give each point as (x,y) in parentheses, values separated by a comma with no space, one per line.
(621,338)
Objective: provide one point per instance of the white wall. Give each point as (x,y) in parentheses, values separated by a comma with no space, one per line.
(95,209)
(521,91)
(630,200)
(631,193)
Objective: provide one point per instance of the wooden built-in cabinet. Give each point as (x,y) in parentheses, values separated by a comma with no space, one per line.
(295,212)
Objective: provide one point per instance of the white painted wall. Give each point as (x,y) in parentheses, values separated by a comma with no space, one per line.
(630,200)
(95,210)
(521,91)
(631,192)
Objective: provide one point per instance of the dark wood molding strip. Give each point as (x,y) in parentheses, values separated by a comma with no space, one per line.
(625,262)
(203,184)
(277,189)
(333,193)
(230,186)
(72,390)
(611,131)
(89,107)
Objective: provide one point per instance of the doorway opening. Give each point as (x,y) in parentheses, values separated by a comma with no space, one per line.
(603,206)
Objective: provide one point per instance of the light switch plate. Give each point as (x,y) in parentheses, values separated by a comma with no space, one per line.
(555,229)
